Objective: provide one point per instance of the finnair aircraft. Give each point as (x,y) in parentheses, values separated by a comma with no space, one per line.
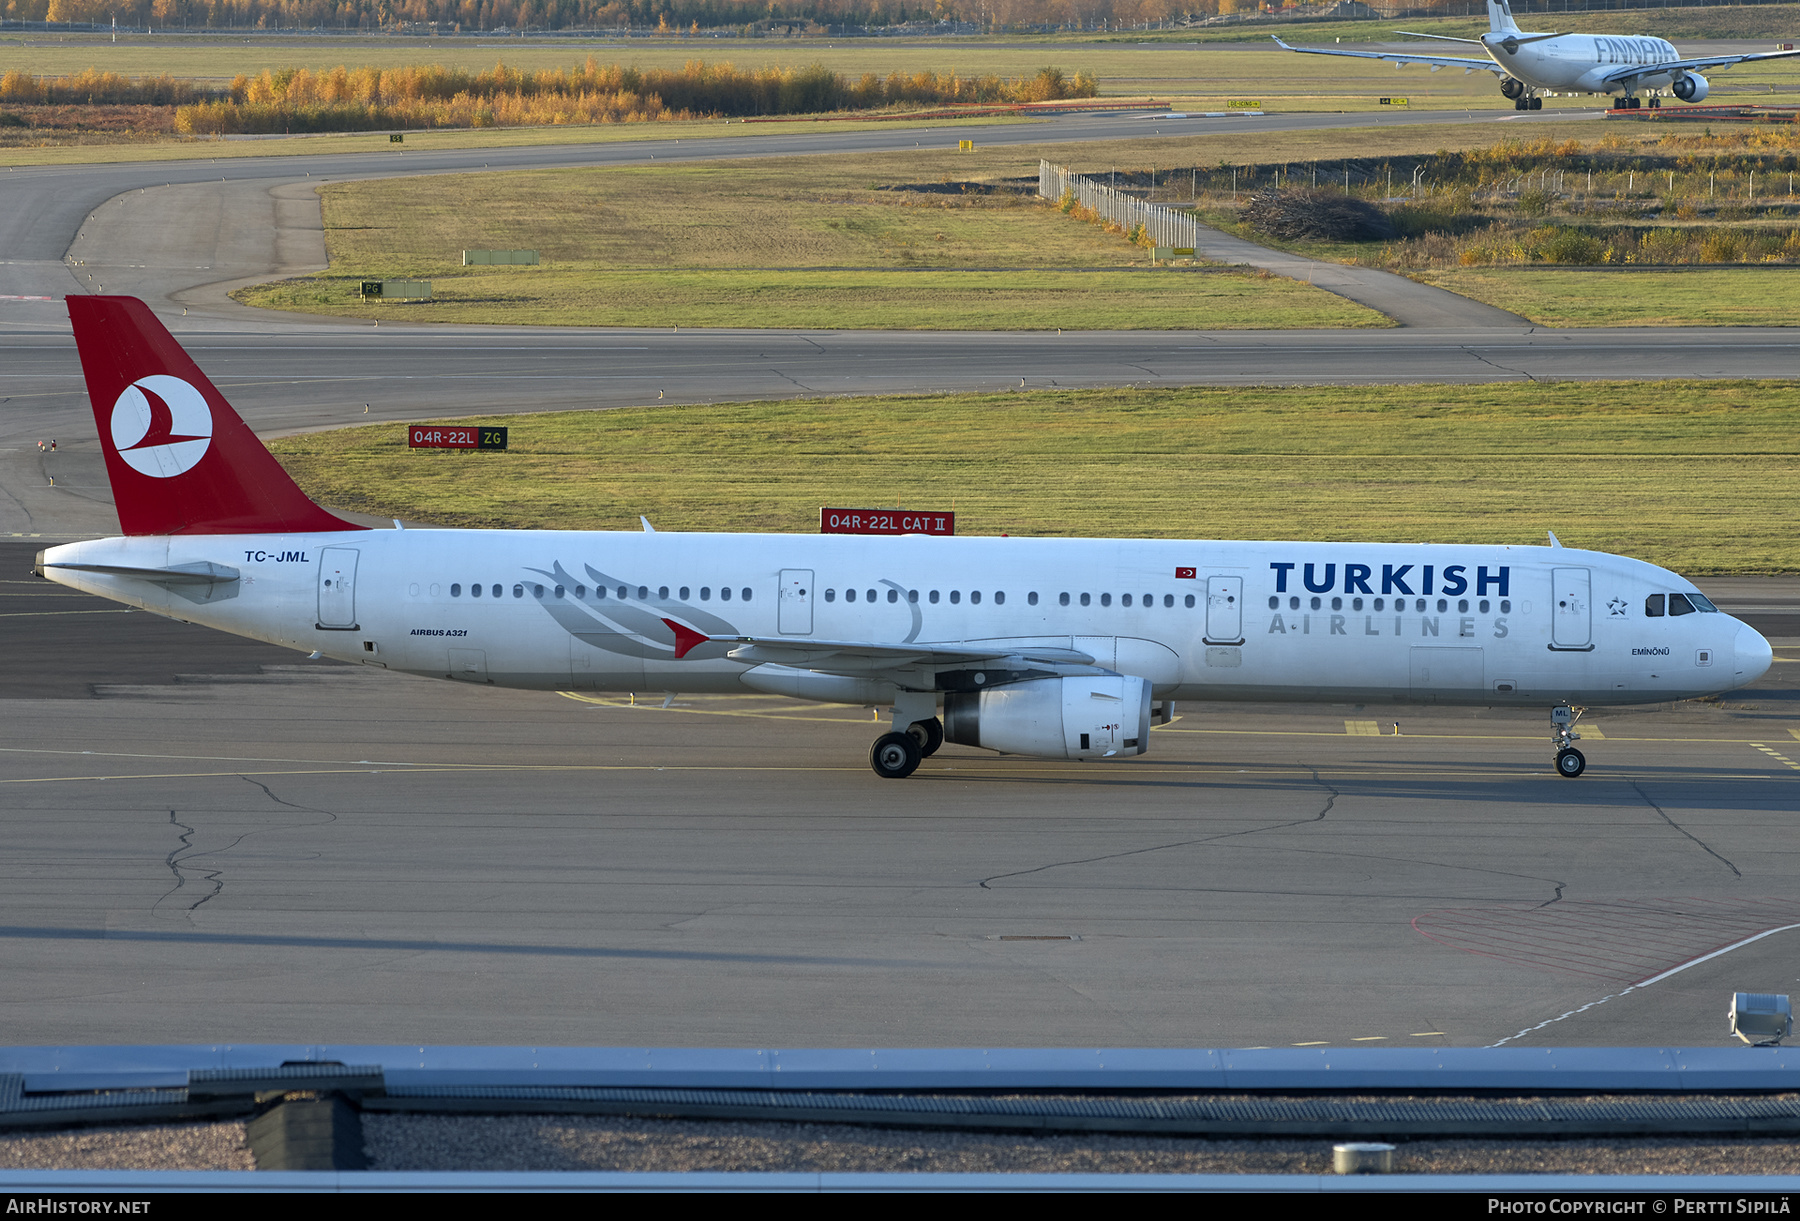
(1533,65)
(1057,648)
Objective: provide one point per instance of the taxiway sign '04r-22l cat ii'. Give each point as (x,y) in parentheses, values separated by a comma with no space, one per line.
(1531,65)
(1057,648)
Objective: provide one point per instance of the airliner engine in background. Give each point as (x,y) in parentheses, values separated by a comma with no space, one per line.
(1531,65)
(1058,648)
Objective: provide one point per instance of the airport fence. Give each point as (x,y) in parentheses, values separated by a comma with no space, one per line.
(1163,227)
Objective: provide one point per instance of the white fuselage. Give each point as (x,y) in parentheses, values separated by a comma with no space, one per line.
(1253,621)
(1580,63)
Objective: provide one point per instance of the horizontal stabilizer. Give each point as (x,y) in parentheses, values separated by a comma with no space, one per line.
(202,573)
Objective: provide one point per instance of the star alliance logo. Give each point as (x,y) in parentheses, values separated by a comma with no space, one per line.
(1616,608)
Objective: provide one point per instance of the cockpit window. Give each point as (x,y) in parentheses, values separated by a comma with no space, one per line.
(1679,605)
(1701,604)
(1653,606)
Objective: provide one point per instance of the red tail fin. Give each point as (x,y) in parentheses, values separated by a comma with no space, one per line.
(180,459)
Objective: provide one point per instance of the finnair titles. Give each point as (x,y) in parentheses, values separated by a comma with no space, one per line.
(1055,648)
(1534,65)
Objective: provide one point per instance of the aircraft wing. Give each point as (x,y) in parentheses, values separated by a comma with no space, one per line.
(1436,61)
(1633,71)
(863,656)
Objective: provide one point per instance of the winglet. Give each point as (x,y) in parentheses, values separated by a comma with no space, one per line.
(1554,541)
(1280,43)
(686,638)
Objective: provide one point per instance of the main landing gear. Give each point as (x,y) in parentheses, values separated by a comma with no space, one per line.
(895,756)
(1521,95)
(1569,761)
(915,735)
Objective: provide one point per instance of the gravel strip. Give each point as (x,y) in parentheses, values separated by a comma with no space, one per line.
(528,1142)
(188,1146)
(524,1142)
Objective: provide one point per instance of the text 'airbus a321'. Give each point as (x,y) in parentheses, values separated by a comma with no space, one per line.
(1531,65)
(1055,648)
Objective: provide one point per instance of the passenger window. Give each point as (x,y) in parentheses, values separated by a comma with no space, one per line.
(581,592)
(1062,599)
(1506,606)
(1294,603)
(474,591)
(518,591)
(1190,602)
(1086,599)
(745,594)
(934,597)
(1274,602)
(893,596)
(869,595)
(1482,606)
(684,593)
(1149,599)
(1356,604)
(643,593)
(1125,600)
(1462,607)
(456,591)
(975,597)
(912,596)
(1679,605)
(1443,605)
(1105,599)
(955,596)
(724,593)
(849,596)
(999,597)
(537,591)
(1378,604)
(1419,606)
(1315,602)
(1031,598)
(1337,604)
(831,595)
(662,593)
(706,593)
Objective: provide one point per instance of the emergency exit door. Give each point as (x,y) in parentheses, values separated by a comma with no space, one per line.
(793,613)
(1225,610)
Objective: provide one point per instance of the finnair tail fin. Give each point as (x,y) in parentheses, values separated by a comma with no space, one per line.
(1500,18)
(180,459)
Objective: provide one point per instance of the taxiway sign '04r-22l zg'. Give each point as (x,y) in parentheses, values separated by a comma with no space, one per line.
(1056,648)
(1532,65)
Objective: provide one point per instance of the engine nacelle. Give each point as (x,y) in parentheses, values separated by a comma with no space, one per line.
(1691,87)
(1089,717)
(1512,87)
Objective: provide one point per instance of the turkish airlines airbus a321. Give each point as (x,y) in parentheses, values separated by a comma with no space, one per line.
(1058,648)
(1531,65)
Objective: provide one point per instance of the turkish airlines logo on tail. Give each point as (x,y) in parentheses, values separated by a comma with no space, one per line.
(161,426)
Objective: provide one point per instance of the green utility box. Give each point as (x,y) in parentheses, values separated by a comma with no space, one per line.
(500,258)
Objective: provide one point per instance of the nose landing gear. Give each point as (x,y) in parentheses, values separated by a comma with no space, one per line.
(1570,762)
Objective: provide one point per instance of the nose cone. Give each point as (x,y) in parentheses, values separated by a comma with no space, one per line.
(1753,656)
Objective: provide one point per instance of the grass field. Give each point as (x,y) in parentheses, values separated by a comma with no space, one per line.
(790,242)
(1701,476)
(1750,296)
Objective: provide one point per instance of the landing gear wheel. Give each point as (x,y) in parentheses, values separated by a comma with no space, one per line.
(928,734)
(1537,103)
(895,756)
(1521,103)
(1570,763)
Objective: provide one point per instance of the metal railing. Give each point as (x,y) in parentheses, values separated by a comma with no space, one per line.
(1162,226)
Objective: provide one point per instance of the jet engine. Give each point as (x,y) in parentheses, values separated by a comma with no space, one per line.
(1691,87)
(1512,87)
(1088,717)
